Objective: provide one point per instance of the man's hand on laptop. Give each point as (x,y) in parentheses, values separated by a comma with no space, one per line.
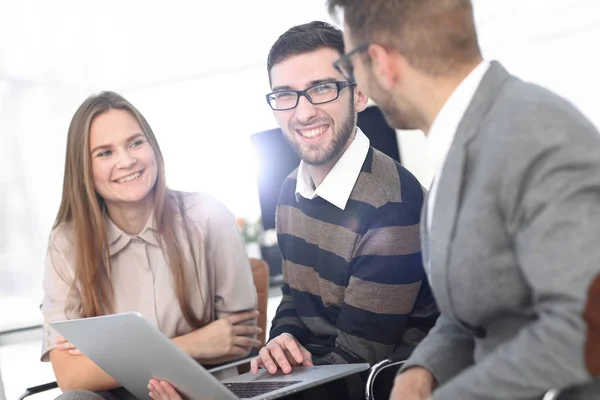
(64,344)
(161,390)
(282,352)
(415,383)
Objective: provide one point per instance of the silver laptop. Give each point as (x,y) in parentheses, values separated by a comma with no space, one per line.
(132,351)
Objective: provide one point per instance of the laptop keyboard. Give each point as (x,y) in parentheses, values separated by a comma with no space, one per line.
(246,390)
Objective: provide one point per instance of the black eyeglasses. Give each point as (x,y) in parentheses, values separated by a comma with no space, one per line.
(344,64)
(282,100)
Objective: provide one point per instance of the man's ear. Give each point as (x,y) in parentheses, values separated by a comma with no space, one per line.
(385,66)
(360,99)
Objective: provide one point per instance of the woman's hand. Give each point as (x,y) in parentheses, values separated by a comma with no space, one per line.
(63,344)
(225,337)
(161,390)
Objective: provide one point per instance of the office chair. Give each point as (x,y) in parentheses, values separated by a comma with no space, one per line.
(380,381)
(260,275)
(381,375)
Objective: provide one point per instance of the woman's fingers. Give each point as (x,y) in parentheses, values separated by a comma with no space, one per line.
(246,330)
(158,391)
(242,316)
(169,391)
(68,346)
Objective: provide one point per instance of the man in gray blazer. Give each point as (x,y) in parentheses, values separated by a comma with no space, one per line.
(512,222)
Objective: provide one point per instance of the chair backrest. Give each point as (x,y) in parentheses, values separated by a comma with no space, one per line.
(260,273)
(381,380)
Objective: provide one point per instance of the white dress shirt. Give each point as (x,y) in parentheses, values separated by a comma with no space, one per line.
(339,182)
(442,132)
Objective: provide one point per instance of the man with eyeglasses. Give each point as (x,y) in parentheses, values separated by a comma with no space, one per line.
(347,222)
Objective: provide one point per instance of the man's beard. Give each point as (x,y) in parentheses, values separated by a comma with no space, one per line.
(334,148)
(398,116)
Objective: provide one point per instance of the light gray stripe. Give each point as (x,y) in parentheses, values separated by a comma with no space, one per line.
(384,169)
(306,279)
(381,298)
(371,352)
(330,237)
(369,191)
(390,241)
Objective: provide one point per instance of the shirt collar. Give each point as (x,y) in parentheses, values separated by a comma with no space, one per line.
(118,240)
(442,131)
(339,182)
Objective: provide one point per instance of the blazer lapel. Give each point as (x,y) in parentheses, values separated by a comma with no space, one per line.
(444,215)
(451,181)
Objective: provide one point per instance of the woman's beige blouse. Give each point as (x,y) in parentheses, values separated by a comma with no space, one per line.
(220,285)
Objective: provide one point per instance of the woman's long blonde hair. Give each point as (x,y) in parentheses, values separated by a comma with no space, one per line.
(82,207)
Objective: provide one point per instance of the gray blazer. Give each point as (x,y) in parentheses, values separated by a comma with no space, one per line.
(514,250)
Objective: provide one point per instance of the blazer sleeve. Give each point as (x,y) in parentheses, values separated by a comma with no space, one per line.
(445,351)
(551,198)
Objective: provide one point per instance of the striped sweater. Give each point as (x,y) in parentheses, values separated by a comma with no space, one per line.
(354,286)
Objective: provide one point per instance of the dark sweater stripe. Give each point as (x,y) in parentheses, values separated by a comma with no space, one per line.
(329,266)
(396,273)
(382,328)
(323,211)
(394,214)
(309,306)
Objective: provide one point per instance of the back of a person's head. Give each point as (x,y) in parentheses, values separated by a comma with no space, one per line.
(305,38)
(437,37)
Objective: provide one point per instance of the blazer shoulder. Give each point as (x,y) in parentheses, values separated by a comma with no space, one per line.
(531,113)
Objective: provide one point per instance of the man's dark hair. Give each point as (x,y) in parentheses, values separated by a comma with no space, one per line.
(305,38)
(435,36)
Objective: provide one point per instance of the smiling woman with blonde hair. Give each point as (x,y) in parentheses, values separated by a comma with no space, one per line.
(122,241)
